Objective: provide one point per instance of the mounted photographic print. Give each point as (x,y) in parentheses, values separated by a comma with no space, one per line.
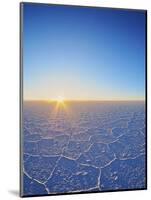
(83,99)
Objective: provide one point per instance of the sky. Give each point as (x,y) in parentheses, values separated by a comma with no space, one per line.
(83,53)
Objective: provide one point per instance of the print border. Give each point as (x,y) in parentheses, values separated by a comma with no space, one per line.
(21,96)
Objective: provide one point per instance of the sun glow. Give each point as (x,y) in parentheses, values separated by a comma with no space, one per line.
(60,99)
(60,103)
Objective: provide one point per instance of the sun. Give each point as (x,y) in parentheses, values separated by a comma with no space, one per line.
(60,99)
(60,102)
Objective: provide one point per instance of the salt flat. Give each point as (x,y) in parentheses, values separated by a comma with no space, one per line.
(87,146)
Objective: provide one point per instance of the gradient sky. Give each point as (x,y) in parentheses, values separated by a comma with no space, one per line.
(83,53)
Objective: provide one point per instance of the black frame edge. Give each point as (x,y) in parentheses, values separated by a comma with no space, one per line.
(20,97)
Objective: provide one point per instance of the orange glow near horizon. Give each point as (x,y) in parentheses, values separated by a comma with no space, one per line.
(60,99)
(60,104)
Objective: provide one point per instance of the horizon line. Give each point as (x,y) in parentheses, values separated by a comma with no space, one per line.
(80,100)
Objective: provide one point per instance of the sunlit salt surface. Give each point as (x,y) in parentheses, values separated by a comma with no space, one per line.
(83,147)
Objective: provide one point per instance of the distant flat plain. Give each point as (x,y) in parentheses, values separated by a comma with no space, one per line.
(83,146)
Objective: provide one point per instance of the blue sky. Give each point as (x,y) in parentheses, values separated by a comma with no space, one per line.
(83,53)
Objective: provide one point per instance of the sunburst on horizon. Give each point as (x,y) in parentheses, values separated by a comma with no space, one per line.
(60,99)
(60,103)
